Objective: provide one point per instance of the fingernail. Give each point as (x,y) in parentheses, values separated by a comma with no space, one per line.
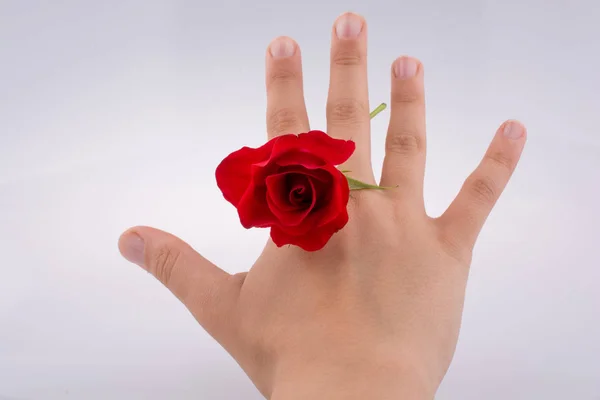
(132,247)
(406,68)
(348,26)
(282,47)
(513,130)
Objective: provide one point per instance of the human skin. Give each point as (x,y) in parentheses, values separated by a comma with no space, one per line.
(376,313)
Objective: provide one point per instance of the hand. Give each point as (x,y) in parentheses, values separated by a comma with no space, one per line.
(376,313)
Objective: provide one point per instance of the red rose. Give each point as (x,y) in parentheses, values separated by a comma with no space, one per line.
(290,184)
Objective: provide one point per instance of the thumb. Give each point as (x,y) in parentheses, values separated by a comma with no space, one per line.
(206,290)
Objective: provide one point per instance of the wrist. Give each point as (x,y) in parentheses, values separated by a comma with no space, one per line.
(369,377)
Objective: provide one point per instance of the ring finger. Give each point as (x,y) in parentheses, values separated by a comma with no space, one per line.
(404,163)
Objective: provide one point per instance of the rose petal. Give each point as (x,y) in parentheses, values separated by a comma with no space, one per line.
(301,189)
(340,194)
(295,157)
(234,173)
(334,151)
(338,223)
(313,145)
(242,176)
(330,212)
(284,144)
(277,192)
(320,174)
(313,241)
(333,201)
(287,214)
(321,183)
(253,208)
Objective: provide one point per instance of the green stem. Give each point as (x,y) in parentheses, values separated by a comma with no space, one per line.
(377,110)
(355,184)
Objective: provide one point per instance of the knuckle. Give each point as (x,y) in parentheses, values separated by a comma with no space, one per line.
(281,76)
(406,95)
(283,120)
(346,111)
(500,159)
(483,189)
(164,261)
(405,143)
(347,57)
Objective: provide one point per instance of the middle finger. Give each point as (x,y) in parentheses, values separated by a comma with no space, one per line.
(348,99)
